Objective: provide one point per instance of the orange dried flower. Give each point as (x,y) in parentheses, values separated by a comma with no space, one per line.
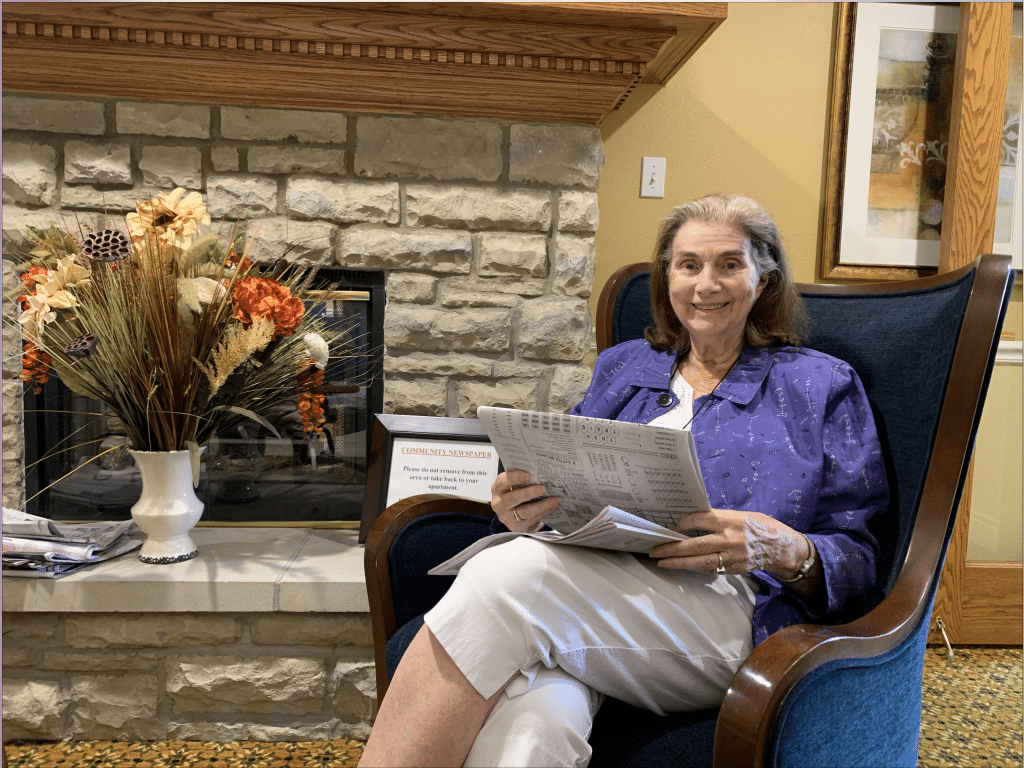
(34,277)
(35,365)
(311,404)
(258,297)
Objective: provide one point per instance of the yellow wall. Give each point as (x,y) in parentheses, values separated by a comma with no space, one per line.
(748,113)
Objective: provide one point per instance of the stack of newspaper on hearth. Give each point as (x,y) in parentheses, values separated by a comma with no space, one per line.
(36,547)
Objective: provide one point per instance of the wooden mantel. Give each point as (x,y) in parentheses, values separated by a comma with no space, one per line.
(545,62)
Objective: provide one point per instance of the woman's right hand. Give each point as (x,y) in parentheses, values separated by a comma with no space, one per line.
(522,508)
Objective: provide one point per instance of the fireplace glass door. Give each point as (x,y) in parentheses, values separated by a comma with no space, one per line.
(248,474)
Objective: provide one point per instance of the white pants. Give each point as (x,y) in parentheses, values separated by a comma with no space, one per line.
(570,625)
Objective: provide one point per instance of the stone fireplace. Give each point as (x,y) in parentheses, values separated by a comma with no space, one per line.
(484,228)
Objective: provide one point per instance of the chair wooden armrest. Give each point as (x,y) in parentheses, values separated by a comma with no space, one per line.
(375,563)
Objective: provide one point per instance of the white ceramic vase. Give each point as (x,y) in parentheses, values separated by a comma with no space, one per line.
(168,509)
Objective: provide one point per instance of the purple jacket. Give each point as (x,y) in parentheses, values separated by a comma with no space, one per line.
(789,433)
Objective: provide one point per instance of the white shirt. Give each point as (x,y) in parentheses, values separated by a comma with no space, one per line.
(681,415)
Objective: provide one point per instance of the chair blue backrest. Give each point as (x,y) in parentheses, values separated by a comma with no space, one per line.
(632,313)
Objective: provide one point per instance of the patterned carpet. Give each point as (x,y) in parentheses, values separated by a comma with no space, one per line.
(972,713)
(972,716)
(186,754)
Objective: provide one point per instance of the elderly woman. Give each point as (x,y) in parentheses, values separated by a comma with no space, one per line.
(514,661)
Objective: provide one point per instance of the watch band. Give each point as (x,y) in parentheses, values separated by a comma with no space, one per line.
(805,566)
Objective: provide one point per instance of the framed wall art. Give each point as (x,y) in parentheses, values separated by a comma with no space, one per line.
(892,96)
(410,455)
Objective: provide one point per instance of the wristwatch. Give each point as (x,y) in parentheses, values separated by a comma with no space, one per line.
(805,566)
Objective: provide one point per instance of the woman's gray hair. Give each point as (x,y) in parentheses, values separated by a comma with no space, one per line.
(777,317)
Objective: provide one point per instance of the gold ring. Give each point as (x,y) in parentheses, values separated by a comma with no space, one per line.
(721,567)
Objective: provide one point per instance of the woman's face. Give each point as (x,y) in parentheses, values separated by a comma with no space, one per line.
(712,282)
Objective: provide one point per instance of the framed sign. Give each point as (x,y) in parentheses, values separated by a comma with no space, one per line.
(410,455)
(892,96)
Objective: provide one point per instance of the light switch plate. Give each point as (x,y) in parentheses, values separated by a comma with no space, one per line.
(652,177)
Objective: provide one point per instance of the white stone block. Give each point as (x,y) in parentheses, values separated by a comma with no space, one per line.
(563,155)
(240,197)
(381,248)
(453,298)
(518,286)
(355,689)
(574,264)
(345,202)
(107,630)
(568,386)
(428,148)
(275,237)
(98,661)
(478,208)
(170,167)
(553,329)
(480,330)
(520,369)
(444,365)
(288,159)
(416,397)
(110,201)
(313,629)
(578,211)
(499,253)
(224,159)
(222,732)
(15,220)
(87,162)
(122,707)
(411,287)
(266,684)
(161,119)
(283,125)
(54,115)
(17,657)
(501,394)
(32,709)
(29,173)
(30,627)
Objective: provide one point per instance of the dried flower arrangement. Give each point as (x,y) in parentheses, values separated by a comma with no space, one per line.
(179,334)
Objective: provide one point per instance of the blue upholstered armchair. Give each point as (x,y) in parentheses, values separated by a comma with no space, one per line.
(810,695)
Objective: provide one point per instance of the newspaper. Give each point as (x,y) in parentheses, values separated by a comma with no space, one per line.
(623,486)
(36,547)
(22,524)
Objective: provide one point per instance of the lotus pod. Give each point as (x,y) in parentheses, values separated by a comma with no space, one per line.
(83,346)
(107,245)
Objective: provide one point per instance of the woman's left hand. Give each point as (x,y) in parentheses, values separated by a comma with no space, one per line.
(738,542)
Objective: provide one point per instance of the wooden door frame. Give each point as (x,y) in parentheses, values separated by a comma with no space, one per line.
(979,603)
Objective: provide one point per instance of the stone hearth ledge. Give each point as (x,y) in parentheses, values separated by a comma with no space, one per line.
(244,570)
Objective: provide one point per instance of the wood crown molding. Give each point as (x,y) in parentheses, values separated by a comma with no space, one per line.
(547,62)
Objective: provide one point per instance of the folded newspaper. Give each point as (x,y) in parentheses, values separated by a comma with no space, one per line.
(622,486)
(35,547)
